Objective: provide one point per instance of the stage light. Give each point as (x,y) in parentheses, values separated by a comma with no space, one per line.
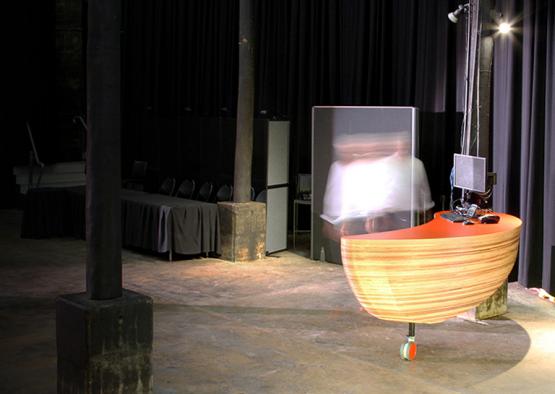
(454,16)
(504,28)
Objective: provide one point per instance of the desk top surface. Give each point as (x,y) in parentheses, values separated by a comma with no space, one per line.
(440,227)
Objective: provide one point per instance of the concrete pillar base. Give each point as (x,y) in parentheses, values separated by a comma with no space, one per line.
(243,230)
(495,305)
(104,346)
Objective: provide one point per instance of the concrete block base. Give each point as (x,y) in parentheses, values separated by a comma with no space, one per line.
(496,305)
(104,346)
(243,230)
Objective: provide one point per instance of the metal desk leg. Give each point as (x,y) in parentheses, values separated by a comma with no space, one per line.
(295,208)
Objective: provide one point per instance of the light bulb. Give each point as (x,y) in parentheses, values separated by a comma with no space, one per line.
(504,28)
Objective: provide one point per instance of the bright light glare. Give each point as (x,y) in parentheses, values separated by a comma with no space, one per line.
(504,28)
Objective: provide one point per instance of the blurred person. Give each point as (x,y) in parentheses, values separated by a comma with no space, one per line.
(373,185)
(408,191)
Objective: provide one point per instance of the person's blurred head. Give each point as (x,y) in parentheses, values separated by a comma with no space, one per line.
(370,146)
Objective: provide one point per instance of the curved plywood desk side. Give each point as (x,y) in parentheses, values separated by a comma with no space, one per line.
(432,272)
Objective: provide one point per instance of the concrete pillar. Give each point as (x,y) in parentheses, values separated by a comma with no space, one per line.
(104,346)
(243,230)
(496,305)
(104,336)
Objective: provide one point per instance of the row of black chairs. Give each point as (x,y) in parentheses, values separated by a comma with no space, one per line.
(187,190)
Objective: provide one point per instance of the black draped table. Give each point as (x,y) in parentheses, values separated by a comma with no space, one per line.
(150,221)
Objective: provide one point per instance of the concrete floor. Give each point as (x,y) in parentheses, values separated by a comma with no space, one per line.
(285,324)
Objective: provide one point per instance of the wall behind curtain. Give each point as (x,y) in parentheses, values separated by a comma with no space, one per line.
(180,63)
(524,134)
(27,87)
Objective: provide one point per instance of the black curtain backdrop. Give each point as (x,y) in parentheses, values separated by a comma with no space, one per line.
(180,64)
(524,134)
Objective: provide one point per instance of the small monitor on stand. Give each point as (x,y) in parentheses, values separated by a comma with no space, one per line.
(304,186)
(470,172)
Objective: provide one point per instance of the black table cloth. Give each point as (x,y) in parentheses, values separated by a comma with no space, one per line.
(151,221)
(163,223)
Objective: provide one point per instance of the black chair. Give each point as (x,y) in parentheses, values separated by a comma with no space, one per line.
(262,196)
(138,176)
(186,189)
(205,191)
(167,186)
(224,193)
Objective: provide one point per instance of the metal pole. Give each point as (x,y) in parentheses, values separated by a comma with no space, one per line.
(412,330)
(245,104)
(103,210)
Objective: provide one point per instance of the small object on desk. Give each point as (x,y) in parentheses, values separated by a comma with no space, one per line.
(453,217)
(489,219)
(467,222)
(471,211)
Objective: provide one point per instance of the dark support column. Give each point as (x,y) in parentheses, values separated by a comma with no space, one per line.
(103,150)
(245,104)
(484,79)
(104,336)
(484,94)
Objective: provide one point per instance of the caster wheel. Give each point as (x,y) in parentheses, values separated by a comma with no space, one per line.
(408,350)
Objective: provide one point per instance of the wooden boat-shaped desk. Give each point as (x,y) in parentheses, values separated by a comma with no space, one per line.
(429,273)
